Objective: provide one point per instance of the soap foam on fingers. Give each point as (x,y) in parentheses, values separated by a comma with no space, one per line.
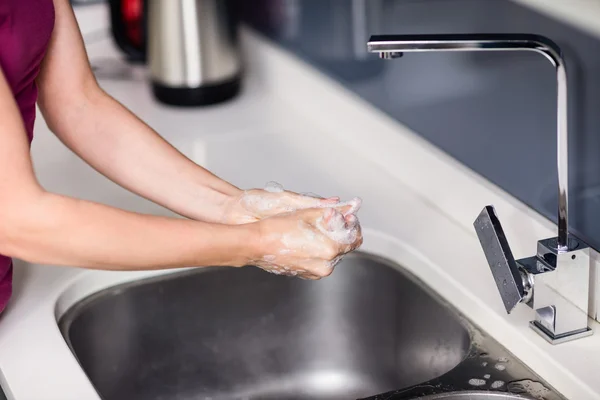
(351,221)
(337,229)
(339,226)
(338,223)
(274,187)
(310,194)
(354,205)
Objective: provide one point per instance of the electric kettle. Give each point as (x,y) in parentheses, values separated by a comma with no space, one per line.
(191,47)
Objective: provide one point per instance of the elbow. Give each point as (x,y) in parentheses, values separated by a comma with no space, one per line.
(17,223)
(78,100)
(9,238)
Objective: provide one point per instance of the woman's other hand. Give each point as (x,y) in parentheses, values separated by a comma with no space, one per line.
(256,204)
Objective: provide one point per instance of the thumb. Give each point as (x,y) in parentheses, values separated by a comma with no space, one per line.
(349,207)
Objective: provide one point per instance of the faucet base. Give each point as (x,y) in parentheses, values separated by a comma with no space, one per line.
(562,338)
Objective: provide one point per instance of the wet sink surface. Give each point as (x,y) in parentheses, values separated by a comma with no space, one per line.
(241,333)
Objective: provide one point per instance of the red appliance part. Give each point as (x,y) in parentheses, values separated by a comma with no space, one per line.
(132,10)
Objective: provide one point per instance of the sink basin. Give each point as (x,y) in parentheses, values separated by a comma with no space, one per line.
(241,333)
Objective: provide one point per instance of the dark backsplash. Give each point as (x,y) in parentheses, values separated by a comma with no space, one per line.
(494,112)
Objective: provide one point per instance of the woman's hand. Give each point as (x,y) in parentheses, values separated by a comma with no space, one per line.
(306,243)
(256,204)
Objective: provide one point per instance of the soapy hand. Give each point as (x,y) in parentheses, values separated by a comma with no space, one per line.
(256,204)
(301,235)
(307,243)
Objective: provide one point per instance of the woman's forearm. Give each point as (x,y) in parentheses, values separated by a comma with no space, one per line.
(126,150)
(59,230)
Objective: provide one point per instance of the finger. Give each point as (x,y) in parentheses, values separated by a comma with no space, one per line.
(315,214)
(336,222)
(358,242)
(301,202)
(322,268)
(327,200)
(309,276)
(313,201)
(345,209)
(351,221)
(316,268)
(330,200)
(351,206)
(355,242)
(310,194)
(335,261)
(328,216)
(356,204)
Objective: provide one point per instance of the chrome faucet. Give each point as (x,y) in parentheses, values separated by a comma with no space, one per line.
(555,282)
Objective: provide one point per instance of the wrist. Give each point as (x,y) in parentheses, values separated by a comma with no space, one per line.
(227,207)
(249,244)
(214,205)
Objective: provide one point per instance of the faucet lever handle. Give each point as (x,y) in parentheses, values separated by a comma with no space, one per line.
(505,269)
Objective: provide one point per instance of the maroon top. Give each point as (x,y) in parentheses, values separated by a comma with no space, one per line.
(25,30)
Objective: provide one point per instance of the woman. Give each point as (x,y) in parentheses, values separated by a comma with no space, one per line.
(43,60)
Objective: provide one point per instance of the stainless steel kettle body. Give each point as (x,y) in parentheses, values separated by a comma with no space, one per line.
(193,51)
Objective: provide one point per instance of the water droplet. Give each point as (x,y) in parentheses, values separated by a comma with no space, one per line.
(500,367)
(487,376)
(477,382)
(484,364)
(503,360)
(532,388)
(497,384)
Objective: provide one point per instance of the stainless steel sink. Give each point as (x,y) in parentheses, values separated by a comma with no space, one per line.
(240,333)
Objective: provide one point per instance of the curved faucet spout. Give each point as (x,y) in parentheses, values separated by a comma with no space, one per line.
(393,46)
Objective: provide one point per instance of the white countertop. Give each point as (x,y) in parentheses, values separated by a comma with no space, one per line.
(419,206)
(582,14)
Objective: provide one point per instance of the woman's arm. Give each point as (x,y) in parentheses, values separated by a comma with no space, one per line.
(113,140)
(42,227)
(126,150)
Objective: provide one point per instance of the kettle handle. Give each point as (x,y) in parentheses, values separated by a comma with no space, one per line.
(135,52)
